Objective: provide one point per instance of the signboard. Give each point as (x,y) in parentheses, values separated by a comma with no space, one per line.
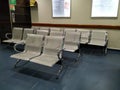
(61,8)
(13,2)
(105,8)
(32,2)
(12,7)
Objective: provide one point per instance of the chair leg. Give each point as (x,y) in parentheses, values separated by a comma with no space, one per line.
(106,50)
(77,58)
(15,66)
(59,71)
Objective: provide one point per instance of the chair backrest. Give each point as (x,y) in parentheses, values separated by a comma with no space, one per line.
(70,29)
(52,45)
(57,33)
(43,32)
(34,43)
(99,35)
(27,31)
(44,28)
(72,38)
(17,33)
(85,35)
(35,27)
(56,29)
(72,41)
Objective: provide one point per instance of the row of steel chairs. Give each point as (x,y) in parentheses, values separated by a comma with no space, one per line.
(90,37)
(43,50)
(19,36)
(46,46)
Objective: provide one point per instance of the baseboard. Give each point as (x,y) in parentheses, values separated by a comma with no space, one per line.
(116,49)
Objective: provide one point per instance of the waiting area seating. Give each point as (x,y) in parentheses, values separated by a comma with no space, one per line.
(16,35)
(56,29)
(25,32)
(71,45)
(85,35)
(57,32)
(99,38)
(72,41)
(47,47)
(70,29)
(19,35)
(35,27)
(42,50)
(33,47)
(44,32)
(53,47)
(44,28)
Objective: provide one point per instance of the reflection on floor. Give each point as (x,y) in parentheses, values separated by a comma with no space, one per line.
(93,72)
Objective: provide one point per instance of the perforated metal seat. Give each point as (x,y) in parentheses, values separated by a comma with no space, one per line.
(52,48)
(99,38)
(85,36)
(16,35)
(25,32)
(43,32)
(72,41)
(33,48)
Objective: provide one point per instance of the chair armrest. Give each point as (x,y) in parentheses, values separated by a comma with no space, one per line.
(16,45)
(60,54)
(106,39)
(8,35)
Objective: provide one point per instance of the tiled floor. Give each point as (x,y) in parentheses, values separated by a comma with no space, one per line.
(94,72)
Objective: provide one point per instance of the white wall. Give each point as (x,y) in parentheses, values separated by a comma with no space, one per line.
(80,14)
